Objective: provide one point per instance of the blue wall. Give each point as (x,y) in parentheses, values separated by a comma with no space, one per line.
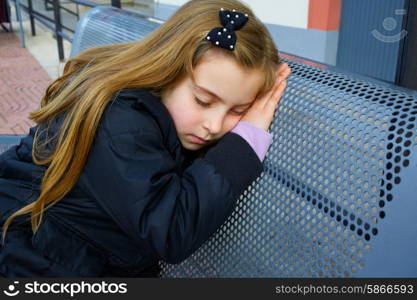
(370,37)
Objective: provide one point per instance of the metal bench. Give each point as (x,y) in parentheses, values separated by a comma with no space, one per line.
(108,25)
(338,194)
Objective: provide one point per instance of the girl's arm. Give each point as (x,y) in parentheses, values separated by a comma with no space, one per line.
(257,138)
(170,211)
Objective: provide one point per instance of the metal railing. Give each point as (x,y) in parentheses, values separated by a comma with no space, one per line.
(53,22)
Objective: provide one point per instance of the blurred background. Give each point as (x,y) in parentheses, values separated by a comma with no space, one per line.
(372,38)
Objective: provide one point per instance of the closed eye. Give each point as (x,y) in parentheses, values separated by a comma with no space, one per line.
(205,104)
(239,113)
(202,103)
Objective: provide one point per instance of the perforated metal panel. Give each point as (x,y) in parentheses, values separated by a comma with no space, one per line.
(108,25)
(323,206)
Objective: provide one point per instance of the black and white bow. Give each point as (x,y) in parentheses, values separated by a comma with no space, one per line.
(225,36)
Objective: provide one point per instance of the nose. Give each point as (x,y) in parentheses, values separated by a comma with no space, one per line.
(213,122)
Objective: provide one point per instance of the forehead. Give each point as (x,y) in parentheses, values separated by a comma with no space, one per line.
(224,77)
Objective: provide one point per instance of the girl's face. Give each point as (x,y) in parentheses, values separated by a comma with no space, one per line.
(206,108)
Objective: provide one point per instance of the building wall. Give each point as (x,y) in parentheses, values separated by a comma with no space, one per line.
(372,36)
(306,28)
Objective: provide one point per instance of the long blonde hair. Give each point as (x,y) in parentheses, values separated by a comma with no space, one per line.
(92,78)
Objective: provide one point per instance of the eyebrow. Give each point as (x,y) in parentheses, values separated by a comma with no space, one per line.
(214,95)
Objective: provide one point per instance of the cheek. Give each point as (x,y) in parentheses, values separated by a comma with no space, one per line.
(231,123)
(184,116)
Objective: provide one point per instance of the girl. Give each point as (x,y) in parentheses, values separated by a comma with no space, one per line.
(141,149)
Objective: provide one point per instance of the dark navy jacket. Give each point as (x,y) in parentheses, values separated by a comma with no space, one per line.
(140,197)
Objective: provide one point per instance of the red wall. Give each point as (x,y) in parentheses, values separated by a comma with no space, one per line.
(324,14)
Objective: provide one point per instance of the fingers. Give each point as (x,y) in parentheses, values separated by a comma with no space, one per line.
(282,67)
(277,94)
(283,71)
(263,99)
(263,109)
(281,89)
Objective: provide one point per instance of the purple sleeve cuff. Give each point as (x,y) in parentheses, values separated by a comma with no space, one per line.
(257,138)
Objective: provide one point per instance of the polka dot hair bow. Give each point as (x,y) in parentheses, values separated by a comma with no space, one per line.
(225,36)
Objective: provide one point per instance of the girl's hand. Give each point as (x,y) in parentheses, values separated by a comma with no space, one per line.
(261,113)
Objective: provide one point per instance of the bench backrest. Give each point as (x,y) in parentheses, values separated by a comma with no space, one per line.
(109,25)
(338,197)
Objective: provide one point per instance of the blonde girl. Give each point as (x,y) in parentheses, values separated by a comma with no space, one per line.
(141,149)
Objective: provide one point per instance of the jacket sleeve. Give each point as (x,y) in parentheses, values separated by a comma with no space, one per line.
(136,180)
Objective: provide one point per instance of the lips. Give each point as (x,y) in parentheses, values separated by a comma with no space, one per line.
(198,140)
